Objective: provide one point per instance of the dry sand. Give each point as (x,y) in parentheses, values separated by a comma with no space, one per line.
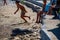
(9,21)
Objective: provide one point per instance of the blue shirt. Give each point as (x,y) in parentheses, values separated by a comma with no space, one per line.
(47,7)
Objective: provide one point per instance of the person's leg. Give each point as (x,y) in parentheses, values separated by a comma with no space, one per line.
(5,2)
(22,16)
(59,16)
(37,18)
(39,21)
(58,12)
(26,16)
(54,13)
(40,16)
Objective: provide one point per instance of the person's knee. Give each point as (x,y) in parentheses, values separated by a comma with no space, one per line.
(22,16)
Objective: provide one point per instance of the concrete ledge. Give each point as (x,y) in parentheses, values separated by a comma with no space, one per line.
(34,7)
(35,2)
(31,3)
(45,35)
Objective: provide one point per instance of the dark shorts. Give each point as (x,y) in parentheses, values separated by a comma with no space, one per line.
(22,13)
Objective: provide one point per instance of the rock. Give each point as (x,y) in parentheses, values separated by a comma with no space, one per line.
(16,38)
(38,37)
(34,34)
(27,36)
(4,39)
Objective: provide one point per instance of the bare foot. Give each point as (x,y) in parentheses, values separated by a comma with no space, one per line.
(25,22)
(36,22)
(29,18)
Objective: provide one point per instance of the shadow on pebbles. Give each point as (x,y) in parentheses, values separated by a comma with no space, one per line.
(10,33)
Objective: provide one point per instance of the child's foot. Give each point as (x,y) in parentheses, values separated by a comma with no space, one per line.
(25,22)
(29,18)
(36,22)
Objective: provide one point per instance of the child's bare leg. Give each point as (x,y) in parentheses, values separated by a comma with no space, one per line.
(23,14)
(40,17)
(37,20)
(5,2)
(27,16)
(23,18)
